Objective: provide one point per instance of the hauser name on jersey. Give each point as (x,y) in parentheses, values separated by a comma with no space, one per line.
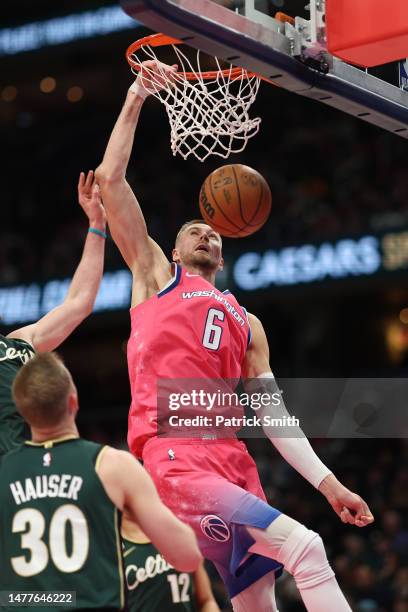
(65,486)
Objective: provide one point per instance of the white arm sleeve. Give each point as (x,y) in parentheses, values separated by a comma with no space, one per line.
(296,449)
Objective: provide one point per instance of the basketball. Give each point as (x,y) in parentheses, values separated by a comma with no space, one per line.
(235,200)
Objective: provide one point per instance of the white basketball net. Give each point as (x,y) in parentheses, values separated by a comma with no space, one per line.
(207,117)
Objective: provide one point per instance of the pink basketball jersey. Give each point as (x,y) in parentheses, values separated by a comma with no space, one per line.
(188,330)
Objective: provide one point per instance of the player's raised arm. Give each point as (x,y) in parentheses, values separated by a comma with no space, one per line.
(132,490)
(125,218)
(52,329)
(296,450)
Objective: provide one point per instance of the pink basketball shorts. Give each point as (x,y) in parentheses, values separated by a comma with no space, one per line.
(213,485)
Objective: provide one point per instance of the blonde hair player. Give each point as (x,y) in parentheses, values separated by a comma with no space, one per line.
(61,499)
(183,326)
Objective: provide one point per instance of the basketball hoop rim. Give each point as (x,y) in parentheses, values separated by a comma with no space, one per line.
(161,40)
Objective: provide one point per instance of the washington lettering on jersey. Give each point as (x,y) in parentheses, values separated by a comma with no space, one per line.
(190,328)
(54,485)
(187,295)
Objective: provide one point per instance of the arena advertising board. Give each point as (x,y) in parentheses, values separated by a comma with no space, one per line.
(247,271)
(347,258)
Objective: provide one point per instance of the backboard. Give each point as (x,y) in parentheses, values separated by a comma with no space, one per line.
(291,52)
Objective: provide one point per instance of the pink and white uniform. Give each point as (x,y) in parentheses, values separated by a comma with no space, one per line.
(188,330)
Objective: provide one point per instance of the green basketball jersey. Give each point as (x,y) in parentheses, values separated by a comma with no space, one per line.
(154,585)
(59,531)
(13,355)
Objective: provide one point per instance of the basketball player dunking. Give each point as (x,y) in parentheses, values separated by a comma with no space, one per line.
(210,482)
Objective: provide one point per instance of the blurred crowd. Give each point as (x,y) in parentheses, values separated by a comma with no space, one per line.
(371,564)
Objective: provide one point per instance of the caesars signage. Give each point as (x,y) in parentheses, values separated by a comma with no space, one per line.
(248,271)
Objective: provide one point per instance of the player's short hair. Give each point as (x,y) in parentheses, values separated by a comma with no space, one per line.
(187,225)
(41,388)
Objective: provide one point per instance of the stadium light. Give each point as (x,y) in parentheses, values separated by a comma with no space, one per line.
(61,30)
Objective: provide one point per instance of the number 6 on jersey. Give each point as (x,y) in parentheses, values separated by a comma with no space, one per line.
(212,331)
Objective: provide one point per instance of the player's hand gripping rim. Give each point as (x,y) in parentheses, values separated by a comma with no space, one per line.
(153,77)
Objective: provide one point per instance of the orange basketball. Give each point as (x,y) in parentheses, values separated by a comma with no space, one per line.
(235,200)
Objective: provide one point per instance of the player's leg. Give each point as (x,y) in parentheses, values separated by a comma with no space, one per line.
(302,553)
(259,596)
(231,521)
(219,512)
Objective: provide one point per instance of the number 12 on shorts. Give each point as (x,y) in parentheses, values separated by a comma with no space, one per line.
(212,330)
